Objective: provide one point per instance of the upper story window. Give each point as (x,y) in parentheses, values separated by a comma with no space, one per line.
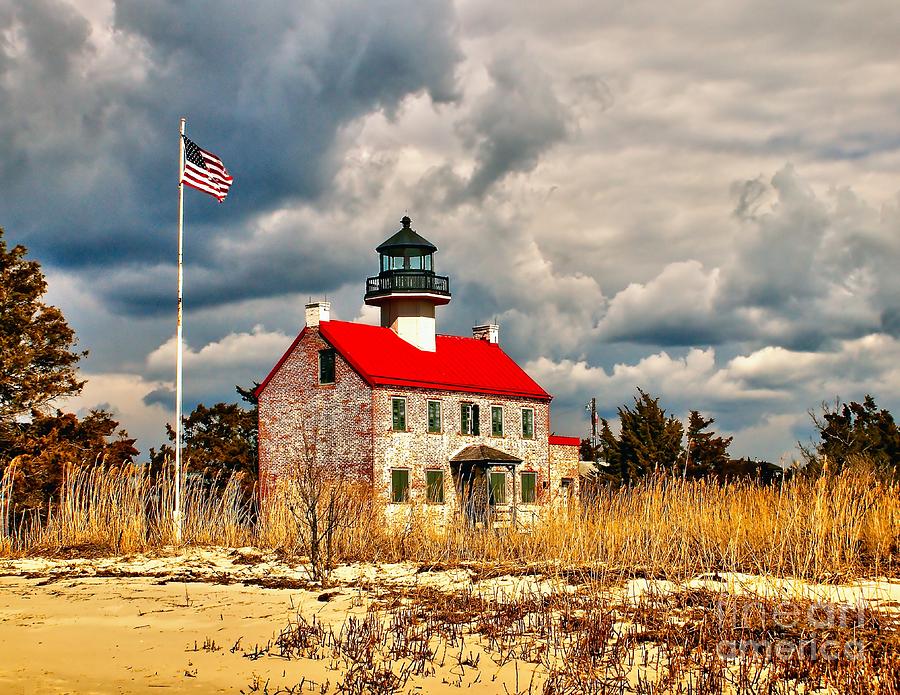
(398,414)
(496,420)
(468,418)
(434,417)
(527,423)
(326,366)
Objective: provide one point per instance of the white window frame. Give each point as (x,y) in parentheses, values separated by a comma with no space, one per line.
(522,423)
(440,406)
(405,413)
(500,408)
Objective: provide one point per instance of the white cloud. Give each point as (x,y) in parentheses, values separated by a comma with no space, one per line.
(675,307)
(762,397)
(237,358)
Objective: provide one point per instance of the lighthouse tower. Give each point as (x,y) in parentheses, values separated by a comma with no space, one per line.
(407,289)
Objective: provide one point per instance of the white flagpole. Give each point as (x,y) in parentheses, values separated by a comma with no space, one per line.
(176,512)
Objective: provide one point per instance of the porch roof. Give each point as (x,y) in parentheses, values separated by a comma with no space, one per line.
(484,454)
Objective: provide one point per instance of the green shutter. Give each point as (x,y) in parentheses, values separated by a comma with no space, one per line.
(496,421)
(527,423)
(434,487)
(529,487)
(398,415)
(399,485)
(498,488)
(434,416)
(468,418)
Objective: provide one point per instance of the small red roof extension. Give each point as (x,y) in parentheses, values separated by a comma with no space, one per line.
(458,364)
(565,441)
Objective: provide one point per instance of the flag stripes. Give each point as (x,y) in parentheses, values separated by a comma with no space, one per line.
(205,171)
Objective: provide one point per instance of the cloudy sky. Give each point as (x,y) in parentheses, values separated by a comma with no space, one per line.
(701,199)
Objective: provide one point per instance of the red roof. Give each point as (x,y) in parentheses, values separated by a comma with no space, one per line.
(382,358)
(565,441)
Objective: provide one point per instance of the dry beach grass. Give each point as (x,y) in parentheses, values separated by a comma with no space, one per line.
(830,527)
(669,586)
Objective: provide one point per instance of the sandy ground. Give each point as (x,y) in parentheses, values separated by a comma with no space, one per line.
(192,622)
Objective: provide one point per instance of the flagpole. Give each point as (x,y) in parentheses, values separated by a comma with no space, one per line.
(176,512)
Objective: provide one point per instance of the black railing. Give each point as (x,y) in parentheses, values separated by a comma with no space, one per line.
(408,281)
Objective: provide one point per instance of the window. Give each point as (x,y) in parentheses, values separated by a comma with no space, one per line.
(326,366)
(496,420)
(398,414)
(468,418)
(498,487)
(567,487)
(434,487)
(434,417)
(399,485)
(527,423)
(529,488)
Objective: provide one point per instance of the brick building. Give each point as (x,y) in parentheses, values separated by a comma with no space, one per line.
(447,421)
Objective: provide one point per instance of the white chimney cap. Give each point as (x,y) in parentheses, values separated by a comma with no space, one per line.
(316,312)
(489,332)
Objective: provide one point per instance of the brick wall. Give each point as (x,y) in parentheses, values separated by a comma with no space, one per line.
(418,450)
(564,460)
(337,416)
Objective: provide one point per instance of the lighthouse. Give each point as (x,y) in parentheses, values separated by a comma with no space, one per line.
(407,289)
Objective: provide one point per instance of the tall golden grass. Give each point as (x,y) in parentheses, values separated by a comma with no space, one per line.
(831,527)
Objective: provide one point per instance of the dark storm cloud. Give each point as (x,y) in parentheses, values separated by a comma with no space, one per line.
(88,119)
(296,259)
(164,397)
(516,122)
(508,129)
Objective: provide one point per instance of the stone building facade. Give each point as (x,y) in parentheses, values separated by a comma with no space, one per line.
(445,421)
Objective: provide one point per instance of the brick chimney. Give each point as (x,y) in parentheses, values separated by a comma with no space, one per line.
(489,332)
(316,312)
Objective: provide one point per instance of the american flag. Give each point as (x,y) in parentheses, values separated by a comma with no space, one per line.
(204,171)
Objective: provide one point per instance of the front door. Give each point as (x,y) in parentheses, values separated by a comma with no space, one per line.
(472,491)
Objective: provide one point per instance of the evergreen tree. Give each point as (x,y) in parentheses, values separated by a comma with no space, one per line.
(706,453)
(855,430)
(648,440)
(219,442)
(37,359)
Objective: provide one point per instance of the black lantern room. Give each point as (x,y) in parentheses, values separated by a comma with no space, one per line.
(407,269)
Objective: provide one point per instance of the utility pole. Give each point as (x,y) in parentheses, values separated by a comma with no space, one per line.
(592,409)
